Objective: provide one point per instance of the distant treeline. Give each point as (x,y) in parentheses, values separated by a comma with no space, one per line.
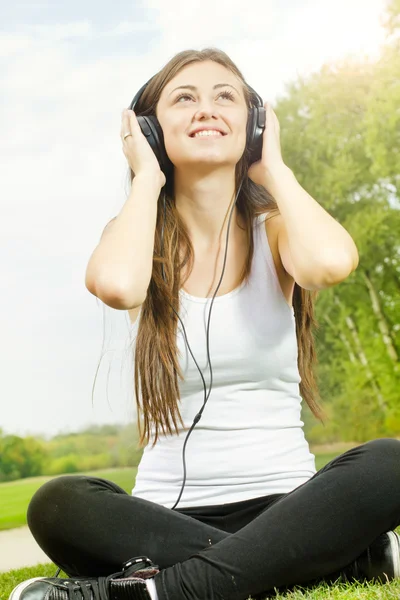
(97,447)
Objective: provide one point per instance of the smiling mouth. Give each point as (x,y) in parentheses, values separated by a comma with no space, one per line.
(208,136)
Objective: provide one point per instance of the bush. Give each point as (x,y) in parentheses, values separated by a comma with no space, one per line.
(20,457)
(64,464)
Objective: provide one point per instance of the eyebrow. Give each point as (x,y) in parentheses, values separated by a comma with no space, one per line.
(194,88)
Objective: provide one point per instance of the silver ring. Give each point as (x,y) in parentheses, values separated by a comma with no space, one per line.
(126,134)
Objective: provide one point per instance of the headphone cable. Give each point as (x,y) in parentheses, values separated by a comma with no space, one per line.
(199,414)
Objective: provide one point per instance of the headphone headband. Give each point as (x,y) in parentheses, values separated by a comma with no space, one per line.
(139,93)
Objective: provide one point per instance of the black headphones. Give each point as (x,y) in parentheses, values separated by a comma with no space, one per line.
(151,128)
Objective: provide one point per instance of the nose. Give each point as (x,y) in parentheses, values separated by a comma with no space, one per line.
(206,111)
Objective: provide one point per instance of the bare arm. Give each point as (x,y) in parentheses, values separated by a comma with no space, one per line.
(119,269)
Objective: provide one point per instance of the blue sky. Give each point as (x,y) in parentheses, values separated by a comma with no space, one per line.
(66,72)
(102,14)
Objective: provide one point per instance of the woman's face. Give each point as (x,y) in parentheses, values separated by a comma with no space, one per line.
(210,105)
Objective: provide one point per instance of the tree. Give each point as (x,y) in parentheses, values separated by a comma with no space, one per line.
(20,457)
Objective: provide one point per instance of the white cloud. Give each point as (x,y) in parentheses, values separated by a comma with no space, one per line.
(11,44)
(126,27)
(40,36)
(56,32)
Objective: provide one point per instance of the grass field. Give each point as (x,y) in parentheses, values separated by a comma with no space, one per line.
(15,495)
(358,591)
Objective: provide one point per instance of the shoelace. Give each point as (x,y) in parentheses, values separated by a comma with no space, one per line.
(81,590)
(97,589)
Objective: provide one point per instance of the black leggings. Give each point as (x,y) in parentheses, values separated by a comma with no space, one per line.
(90,526)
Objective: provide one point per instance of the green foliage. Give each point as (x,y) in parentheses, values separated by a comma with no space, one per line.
(340,134)
(63,464)
(94,448)
(20,457)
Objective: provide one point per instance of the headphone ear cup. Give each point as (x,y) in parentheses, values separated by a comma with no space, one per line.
(151,128)
(255,130)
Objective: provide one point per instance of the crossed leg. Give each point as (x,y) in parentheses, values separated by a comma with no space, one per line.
(90,527)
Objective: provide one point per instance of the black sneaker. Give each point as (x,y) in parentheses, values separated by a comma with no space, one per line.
(129,584)
(380,561)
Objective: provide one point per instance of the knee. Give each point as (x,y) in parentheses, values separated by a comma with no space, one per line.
(384,455)
(385,449)
(50,502)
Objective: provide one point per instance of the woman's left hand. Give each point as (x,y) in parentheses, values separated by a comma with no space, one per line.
(271,158)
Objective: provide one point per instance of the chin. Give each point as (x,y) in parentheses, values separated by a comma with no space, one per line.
(204,158)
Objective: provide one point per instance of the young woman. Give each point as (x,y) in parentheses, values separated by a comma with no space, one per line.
(218,254)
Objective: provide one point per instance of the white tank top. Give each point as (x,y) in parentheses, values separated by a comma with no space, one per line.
(249,441)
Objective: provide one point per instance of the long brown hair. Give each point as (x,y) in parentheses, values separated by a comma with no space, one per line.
(156,366)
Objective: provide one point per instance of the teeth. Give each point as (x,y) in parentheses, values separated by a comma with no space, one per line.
(207,133)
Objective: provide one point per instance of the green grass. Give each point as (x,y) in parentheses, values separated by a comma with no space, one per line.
(15,495)
(9,580)
(359,591)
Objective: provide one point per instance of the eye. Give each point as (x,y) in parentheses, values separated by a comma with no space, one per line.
(226,94)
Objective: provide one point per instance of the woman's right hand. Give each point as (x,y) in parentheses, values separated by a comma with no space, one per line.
(137,149)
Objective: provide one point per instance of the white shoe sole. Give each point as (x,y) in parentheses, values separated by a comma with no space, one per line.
(16,593)
(395,548)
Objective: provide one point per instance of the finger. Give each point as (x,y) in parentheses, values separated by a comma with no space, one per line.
(132,120)
(125,125)
(124,128)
